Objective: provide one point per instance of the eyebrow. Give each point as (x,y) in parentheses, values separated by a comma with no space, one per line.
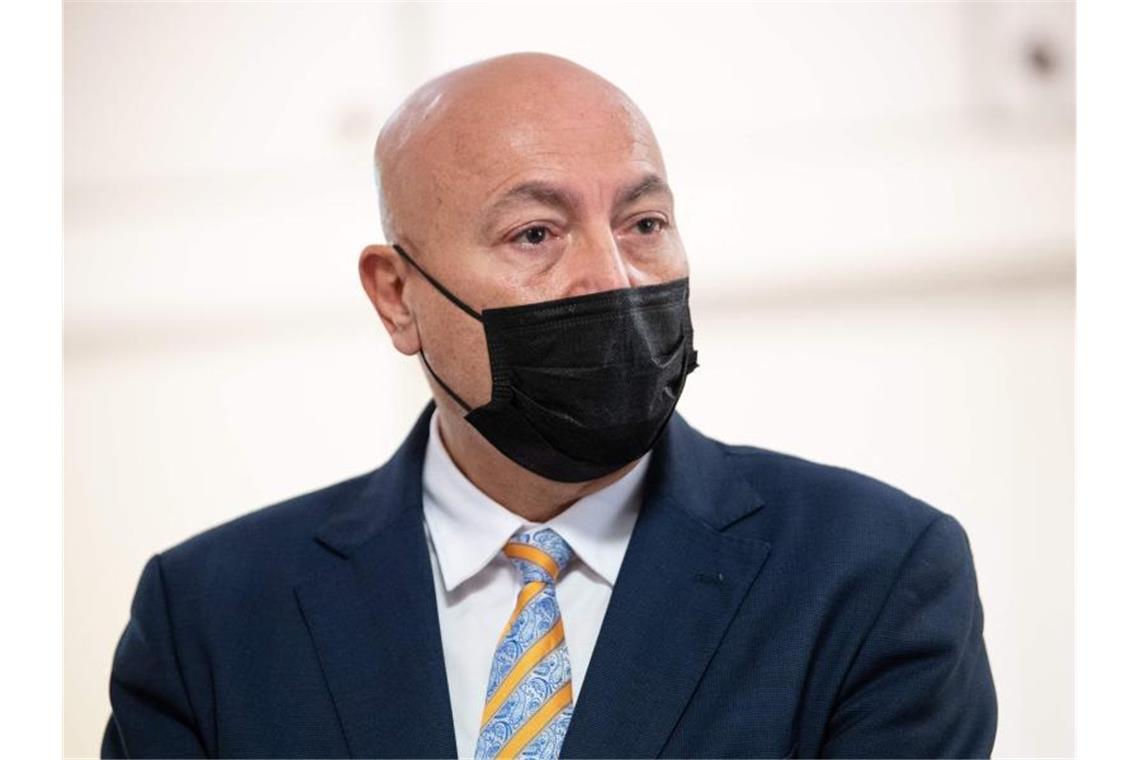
(650,184)
(552,195)
(536,191)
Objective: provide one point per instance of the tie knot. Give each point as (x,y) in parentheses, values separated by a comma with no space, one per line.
(540,555)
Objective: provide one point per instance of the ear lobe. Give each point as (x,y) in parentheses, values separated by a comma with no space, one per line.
(383,277)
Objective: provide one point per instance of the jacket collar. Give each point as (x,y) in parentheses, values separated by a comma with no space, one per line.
(387,493)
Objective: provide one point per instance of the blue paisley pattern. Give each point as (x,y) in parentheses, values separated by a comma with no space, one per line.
(551,543)
(538,617)
(547,677)
(547,743)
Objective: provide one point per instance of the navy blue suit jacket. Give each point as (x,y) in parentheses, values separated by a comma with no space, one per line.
(767,606)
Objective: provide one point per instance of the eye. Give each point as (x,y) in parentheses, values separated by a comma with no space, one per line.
(532,236)
(649,225)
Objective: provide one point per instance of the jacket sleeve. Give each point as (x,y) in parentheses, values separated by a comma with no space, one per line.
(151,714)
(920,684)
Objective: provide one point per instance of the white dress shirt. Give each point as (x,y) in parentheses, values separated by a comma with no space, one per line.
(476,586)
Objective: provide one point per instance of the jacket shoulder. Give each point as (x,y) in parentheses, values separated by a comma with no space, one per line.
(826,507)
(277,536)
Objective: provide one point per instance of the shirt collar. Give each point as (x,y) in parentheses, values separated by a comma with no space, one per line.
(469,528)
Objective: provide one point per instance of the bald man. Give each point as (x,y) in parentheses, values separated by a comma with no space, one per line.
(554,563)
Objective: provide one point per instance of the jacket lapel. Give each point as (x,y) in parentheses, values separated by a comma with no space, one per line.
(373,618)
(680,585)
(374,622)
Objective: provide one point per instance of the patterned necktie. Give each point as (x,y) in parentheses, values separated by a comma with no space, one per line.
(529,697)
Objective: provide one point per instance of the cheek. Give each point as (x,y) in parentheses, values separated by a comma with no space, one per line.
(457,349)
(678,261)
(659,264)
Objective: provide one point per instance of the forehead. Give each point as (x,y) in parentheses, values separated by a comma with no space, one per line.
(596,144)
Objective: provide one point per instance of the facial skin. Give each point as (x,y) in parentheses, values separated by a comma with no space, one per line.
(517,179)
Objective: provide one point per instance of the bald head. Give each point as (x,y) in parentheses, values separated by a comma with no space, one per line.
(470,119)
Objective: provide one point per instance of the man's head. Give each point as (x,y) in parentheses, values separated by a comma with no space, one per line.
(517,179)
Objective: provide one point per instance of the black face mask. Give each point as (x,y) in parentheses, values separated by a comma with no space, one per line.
(581,386)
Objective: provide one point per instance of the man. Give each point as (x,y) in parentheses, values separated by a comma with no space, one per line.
(554,563)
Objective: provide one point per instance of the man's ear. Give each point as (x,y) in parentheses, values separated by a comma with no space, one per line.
(383,275)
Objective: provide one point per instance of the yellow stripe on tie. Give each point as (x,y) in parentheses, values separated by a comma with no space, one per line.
(532,657)
(537,722)
(537,556)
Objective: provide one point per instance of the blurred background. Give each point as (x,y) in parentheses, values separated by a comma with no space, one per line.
(876,198)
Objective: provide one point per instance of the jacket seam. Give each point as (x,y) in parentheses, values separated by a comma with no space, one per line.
(174,649)
(882,608)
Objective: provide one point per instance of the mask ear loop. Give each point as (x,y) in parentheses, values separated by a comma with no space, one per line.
(451,297)
(453,394)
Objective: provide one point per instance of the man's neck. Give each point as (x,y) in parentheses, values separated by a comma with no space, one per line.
(523,492)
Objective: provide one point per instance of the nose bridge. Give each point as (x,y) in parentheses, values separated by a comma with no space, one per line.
(596,264)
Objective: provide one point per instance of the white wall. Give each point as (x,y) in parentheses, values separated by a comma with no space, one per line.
(876,200)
